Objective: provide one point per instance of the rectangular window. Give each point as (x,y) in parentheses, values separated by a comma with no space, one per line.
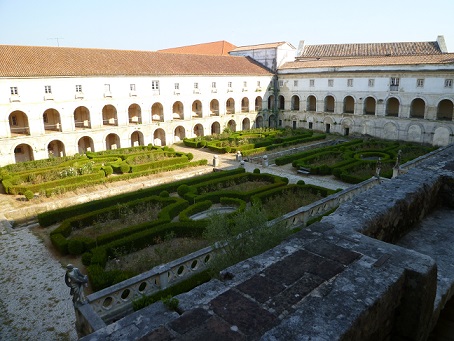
(395,81)
(244,84)
(177,86)
(258,83)
(47,89)
(213,85)
(281,83)
(196,85)
(330,82)
(311,82)
(14,90)
(106,87)
(295,83)
(78,88)
(350,82)
(132,87)
(420,83)
(229,84)
(371,83)
(155,85)
(448,83)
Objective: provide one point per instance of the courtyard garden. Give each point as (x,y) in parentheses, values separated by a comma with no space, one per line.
(63,174)
(122,236)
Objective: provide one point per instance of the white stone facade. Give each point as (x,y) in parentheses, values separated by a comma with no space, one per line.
(79,114)
(402,102)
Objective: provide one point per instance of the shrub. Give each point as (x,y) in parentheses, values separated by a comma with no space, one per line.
(256,171)
(124,168)
(29,195)
(190,156)
(164,194)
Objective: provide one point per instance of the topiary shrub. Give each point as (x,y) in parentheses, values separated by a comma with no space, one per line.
(108,170)
(29,195)
(256,171)
(190,156)
(182,190)
(164,194)
(125,168)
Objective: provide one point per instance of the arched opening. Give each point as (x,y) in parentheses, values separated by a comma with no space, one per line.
(245,104)
(259,122)
(392,107)
(197,109)
(157,112)
(177,111)
(112,141)
(109,115)
(51,120)
(295,103)
(329,104)
(417,108)
(159,137)
(137,139)
(23,152)
(281,102)
(272,121)
(445,110)
(231,125)
(179,134)
(82,118)
(215,128)
(311,103)
(230,106)
(214,107)
(246,124)
(369,106)
(198,130)
(258,103)
(271,103)
(349,105)
(56,148)
(135,114)
(18,123)
(85,144)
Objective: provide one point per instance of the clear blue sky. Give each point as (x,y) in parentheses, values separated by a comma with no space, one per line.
(159,24)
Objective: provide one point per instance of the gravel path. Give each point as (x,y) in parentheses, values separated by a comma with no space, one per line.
(34,301)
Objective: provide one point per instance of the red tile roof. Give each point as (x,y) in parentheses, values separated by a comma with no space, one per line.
(445,58)
(368,50)
(32,61)
(217,48)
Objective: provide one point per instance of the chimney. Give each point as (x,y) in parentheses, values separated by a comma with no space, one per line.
(300,50)
(441,44)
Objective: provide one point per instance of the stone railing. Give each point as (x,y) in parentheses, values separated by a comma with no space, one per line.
(115,301)
(302,215)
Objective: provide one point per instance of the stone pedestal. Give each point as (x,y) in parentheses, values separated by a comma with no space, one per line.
(265,161)
(215,161)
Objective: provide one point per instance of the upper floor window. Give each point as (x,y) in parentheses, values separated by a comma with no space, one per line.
(78,88)
(196,85)
(107,87)
(350,82)
(258,83)
(213,85)
(132,87)
(14,90)
(47,89)
(244,84)
(281,83)
(448,83)
(311,82)
(371,82)
(394,83)
(420,83)
(229,84)
(177,86)
(155,85)
(295,83)
(330,82)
